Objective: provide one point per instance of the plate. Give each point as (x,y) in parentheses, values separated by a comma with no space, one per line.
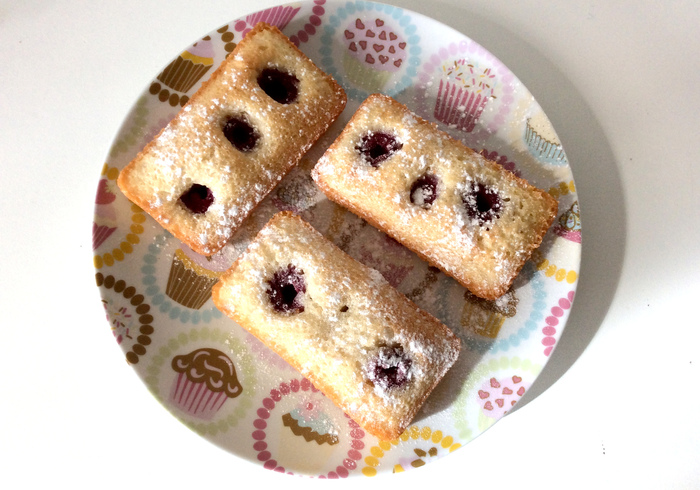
(273,416)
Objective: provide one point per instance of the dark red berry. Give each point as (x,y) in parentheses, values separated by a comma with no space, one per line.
(198,198)
(376,147)
(390,368)
(285,290)
(281,86)
(424,190)
(483,203)
(240,134)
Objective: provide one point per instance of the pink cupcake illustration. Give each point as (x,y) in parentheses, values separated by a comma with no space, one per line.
(465,87)
(569,225)
(105,221)
(463,92)
(277,16)
(205,379)
(374,52)
(280,16)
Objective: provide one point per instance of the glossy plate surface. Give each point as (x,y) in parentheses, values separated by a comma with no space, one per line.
(277,418)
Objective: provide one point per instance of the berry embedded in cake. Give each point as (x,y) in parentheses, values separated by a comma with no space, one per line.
(424,190)
(198,198)
(239,132)
(375,147)
(482,202)
(281,86)
(286,289)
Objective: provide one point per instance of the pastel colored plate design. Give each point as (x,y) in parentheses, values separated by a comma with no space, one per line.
(156,292)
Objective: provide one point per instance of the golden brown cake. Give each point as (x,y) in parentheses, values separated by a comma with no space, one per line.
(240,133)
(462,213)
(368,348)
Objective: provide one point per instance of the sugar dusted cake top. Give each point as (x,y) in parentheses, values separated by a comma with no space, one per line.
(361,342)
(459,211)
(247,126)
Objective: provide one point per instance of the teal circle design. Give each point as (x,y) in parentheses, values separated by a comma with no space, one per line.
(536,283)
(530,325)
(158,298)
(404,20)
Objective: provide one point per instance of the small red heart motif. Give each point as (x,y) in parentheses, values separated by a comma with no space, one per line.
(499,402)
(359,24)
(363,45)
(379,22)
(353,46)
(382,35)
(521,391)
(378,47)
(494,383)
(370,33)
(397,63)
(507,391)
(517,379)
(392,49)
(383,59)
(393,36)
(369,59)
(488,406)
(483,394)
(512,403)
(349,35)
(402,45)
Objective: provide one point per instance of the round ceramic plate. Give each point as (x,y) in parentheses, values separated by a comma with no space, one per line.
(277,418)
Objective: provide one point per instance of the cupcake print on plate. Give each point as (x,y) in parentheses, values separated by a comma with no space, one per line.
(228,386)
(465,88)
(206,379)
(378,50)
(542,140)
(373,53)
(180,76)
(309,17)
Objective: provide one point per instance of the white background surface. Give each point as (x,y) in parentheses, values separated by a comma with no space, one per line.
(616,407)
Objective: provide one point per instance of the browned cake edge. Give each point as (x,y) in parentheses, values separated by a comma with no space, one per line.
(327,388)
(476,289)
(172,227)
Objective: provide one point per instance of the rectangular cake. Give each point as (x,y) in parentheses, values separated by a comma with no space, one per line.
(235,139)
(368,348)
(462,213)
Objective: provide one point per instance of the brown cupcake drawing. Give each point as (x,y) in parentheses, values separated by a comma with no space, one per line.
(206,379)
(183,72)
(485,317)
(192,276)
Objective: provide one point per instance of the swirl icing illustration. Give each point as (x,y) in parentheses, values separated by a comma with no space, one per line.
(212,367)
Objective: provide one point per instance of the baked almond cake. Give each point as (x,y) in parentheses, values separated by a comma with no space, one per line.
(368,348)
(462,213)
(239,134)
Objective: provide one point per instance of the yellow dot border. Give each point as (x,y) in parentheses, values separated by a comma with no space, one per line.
(552,270)
(138,217)
(414,433)
(562,189)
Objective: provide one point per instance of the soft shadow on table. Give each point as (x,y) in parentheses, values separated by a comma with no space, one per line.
(596,173)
